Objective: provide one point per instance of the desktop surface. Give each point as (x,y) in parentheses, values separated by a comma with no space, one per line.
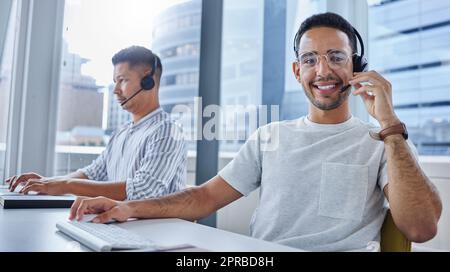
(33,230)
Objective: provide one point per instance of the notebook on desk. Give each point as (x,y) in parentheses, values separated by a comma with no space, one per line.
(20,201)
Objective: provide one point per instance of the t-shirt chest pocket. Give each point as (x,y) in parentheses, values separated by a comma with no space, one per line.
(343,190)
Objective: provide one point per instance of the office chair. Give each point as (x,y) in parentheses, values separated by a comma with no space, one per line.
(392,240)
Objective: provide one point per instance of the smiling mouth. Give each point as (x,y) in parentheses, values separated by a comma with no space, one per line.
(326,89)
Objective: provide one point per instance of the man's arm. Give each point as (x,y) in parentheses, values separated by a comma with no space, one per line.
(414,201)
(190,204)
(77,175)
(76,184)
(89,188)
(25,178)
(82,182)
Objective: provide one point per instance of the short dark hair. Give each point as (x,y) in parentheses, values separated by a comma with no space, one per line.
(138,55)
(327,19)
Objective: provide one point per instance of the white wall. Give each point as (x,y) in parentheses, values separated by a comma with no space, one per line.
(438,170)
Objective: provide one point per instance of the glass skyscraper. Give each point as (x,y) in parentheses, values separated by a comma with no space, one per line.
(409,44)
(176,39)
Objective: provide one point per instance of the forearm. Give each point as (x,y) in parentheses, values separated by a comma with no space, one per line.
(81,187)
(76,175)
(414,201)
(190,204)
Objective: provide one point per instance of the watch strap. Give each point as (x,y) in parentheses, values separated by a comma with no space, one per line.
(392,130)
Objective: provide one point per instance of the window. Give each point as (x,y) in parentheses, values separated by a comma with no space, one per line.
(8,19)
(242,49)
(242,71)
(188,50)
(87,110)
(176,38)
(173,20)
(190,78)
(295,102)
(409,43)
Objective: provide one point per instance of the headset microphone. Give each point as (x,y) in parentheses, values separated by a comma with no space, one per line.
(131,97)
(344,88)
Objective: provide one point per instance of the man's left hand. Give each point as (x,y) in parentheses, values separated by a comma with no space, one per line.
(377,97)
(46,186)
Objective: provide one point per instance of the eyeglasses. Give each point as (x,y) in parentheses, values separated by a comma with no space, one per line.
(336,59)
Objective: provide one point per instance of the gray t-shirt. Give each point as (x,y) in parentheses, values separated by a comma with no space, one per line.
(321,185)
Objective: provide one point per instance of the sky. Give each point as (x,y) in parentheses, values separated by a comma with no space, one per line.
(97,29)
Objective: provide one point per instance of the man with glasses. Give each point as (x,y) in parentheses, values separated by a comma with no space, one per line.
(144,158)
(324,185)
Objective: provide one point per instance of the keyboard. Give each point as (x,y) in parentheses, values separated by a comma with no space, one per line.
(105,237)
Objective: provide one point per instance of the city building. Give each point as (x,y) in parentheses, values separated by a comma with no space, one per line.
(409,44)
(176,39)
(76,91)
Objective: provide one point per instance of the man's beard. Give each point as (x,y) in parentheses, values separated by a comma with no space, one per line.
(326,106)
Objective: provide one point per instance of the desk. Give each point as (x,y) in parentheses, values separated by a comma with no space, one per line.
(35,230)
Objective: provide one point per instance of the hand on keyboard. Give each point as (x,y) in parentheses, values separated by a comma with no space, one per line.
(107,209)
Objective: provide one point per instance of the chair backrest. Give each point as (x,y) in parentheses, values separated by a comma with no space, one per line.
(392,240)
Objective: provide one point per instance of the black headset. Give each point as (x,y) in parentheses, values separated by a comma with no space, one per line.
(360,63)
(147,82)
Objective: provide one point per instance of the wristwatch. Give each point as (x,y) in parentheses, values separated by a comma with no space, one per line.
(397,129)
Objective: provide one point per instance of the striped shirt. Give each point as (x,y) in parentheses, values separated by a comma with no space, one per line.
(150,156)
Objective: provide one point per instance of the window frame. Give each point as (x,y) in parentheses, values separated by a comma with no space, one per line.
(6,9)
(33,101)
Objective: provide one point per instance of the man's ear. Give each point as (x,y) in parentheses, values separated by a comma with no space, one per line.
(147,72)
(296,71)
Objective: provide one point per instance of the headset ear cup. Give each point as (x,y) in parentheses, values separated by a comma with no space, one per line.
(364,64)
(359,64)
(147,83)
(356,64)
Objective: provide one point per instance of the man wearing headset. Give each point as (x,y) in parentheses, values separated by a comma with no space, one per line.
(324,187)
(145,158)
